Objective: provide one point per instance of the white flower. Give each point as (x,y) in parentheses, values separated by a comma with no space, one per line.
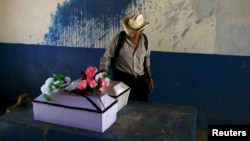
(56,82)
(107,80)
(49,81)
(99,75)
(45,89)
(53,85)
(73,85)
(67,79)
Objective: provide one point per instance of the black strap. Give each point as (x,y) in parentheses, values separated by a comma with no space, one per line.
(79,108)
(93,103)
(122,37)
(146,41)
(121,40)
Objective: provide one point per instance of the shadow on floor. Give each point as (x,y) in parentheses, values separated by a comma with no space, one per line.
(4,104)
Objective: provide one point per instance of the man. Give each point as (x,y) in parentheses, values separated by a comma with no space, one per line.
(132,64)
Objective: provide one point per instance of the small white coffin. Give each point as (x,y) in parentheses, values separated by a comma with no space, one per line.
(77,111)
(119,91)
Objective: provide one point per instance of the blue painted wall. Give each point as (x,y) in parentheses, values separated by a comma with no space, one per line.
(217,85)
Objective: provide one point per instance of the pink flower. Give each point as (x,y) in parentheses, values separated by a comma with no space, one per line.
(104,84)
(91,83)
(90,72)
(82,85)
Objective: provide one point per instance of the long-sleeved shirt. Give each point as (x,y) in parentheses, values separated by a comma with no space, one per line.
(130,58)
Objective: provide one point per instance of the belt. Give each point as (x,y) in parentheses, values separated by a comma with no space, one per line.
(118,72)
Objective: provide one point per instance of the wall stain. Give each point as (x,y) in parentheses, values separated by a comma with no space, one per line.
(185,32)
(86,24)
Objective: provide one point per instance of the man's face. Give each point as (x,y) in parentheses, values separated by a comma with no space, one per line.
(136,34)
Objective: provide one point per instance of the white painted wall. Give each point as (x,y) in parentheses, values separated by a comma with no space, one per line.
(190,26)
(25,21)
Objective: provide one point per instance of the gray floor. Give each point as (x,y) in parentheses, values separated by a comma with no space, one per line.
(201,135)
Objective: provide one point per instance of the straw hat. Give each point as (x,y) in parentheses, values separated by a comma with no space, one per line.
(134,24)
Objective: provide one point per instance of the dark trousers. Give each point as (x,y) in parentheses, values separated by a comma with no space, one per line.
(138,84)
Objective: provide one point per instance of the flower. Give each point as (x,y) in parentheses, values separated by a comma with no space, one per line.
(91,72)
(82,85)
(53,84)
(92,81)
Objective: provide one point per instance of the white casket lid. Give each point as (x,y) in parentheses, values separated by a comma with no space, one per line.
(116,88)
(71,100)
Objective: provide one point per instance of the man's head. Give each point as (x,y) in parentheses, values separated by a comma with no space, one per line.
(135,35)
(134,24)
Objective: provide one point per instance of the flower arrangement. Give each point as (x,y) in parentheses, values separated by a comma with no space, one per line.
(92,81)
(53,84)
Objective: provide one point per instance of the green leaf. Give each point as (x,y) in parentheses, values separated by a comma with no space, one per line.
(58,76)
(95,91)
(46,97)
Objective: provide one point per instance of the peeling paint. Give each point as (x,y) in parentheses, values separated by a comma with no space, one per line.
(85,27)
(79,23)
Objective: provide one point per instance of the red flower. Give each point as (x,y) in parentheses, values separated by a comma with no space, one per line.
(82,85)
(104,84)
(90,72)
(91,83)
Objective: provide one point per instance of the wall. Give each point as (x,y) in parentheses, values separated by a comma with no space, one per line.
(186,26)
(202,46)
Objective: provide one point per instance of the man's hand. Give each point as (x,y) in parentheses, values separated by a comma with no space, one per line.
(150,84)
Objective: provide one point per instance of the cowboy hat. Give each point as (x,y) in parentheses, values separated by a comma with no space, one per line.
(134,23)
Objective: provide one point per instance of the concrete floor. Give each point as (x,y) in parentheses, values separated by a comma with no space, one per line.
(201,135)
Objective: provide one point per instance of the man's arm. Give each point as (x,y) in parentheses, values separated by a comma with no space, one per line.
(150,78)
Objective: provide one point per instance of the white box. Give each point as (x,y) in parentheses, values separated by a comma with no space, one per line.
(77,111)
(119,91)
